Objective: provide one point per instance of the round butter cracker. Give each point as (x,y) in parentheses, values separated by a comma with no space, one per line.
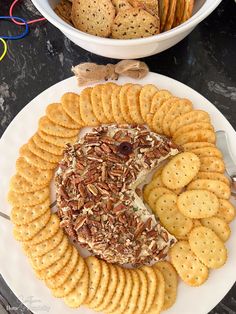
(71,281)
(71,105)
(28,199)
(111,288)
(113,304)
(46,260)
(59,278)
(27,232)
(97,105)
(77,296)
(189,118)
(152,286)
(115,103)
(86,109)
(123,103)
(171,283)
(107,92)
(180,107)
(95,272)
(43,154)
(54,129)
(160,114)
(33,174)
(25,215)
(56,114)
(145,98)
(47,245)
(196,136)
(155,194)
(20,185)
(142,298)
(102,287)
(126,293)
(212,176)
(54,268)
(133,102)
(47,232)
(192,127)
(158,301)
(35,160)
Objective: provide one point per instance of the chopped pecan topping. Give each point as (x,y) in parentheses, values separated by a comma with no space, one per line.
(97,194)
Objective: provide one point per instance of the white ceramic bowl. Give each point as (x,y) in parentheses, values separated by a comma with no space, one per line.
(132,48)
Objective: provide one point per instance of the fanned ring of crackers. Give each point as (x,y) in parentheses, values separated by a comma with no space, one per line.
(189,194)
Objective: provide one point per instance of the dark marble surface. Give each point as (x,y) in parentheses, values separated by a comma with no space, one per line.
(205,60)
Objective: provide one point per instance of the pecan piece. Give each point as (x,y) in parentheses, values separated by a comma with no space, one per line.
(79,165)
(89,204)
(105,148)
(162,254)
(91,179)
(82,190)
(104,172)
(95,158)
(103,191)
(99,151)
(116,173)
(107,140)
(63,193)
(138,191)
(148,224)
(119,208)
(64,223)
(140,229)
(113,158)
(109,205)
(113,187)
(152,233)
(79,222)
(164,235)
(92,188)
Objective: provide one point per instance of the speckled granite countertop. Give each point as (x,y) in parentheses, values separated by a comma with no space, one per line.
(205,60)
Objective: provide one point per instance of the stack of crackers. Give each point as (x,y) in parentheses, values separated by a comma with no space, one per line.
(125,19)
(192,202)
(189,195)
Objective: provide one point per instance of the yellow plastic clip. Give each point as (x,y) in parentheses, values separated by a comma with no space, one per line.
(4,49)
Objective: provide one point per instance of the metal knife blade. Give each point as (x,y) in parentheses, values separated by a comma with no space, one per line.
(4,216)
(223,143)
